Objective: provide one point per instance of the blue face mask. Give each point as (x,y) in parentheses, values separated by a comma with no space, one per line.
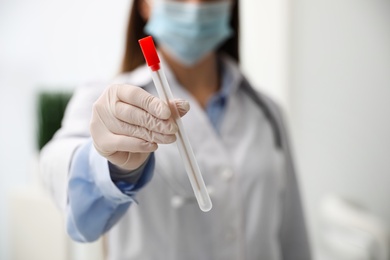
(189,31)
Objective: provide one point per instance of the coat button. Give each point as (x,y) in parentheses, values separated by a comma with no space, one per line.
(226,174)
(210,190)
(177,201)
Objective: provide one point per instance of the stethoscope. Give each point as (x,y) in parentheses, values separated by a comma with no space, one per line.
(259,101)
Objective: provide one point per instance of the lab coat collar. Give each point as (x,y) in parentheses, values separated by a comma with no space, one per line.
(231,75)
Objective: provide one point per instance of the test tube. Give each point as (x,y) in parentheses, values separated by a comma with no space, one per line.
(183,144)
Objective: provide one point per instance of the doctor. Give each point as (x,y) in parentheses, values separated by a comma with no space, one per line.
(113,167)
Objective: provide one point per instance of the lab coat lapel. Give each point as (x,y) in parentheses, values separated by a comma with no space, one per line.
(196,123)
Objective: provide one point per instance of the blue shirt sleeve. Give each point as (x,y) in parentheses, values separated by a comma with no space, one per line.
(95,203)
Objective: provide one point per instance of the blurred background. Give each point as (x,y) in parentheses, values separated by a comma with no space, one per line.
(326,62)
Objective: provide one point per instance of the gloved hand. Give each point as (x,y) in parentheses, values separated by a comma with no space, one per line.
(128,123)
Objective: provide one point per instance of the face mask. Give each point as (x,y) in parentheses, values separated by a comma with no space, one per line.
(189,31)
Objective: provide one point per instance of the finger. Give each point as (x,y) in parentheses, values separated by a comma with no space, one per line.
(138,97)
(129,161)
(123,128)
(182,106)
(112,143)
(136,116)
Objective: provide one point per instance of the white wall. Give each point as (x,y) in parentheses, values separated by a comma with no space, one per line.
(264,46)
(340,93)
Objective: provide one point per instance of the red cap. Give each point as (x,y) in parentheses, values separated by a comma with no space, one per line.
(150,53)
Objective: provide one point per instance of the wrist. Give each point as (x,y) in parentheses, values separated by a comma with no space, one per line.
(119,174)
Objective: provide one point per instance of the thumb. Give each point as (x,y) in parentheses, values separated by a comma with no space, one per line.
(183,106)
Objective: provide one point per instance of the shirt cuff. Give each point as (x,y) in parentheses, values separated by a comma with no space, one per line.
(133,176)
(101,177)
(144,175)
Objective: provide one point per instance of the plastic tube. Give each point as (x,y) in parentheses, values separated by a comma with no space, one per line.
(183,144)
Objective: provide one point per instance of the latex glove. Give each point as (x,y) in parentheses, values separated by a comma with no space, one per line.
(128,123)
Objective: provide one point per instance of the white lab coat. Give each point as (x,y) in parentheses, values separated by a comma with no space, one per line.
(257,212)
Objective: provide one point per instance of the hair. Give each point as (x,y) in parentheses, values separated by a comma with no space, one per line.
(135,30)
